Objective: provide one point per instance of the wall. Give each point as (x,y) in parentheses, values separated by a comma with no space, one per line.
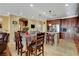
(39,25)
(5,24)
(14,27)
(44,26)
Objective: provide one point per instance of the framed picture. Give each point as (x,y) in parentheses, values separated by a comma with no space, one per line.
(14,22)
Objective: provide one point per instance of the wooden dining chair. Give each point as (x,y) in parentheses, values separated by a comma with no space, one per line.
(16,42)
(27,52)
(20,45)
(4,38)
(49,38)
(37,46)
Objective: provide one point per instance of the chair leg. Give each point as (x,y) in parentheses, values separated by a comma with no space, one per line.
(16,46)
(46,41)
(21,52)
(28,53)
(18,51)
(43,54)
(35,52)
(43,51)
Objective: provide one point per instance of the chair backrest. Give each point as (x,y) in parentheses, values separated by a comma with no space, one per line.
(17,36)
(18,39)
(3,41)
(4,37)
(40,39)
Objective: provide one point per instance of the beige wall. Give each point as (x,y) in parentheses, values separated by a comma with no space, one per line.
(40,25)
(5,23)
(14,27)
(45,26)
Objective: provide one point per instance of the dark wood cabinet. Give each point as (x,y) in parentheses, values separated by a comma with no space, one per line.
(78,21)
(76,35)
(62,35)
(53,22)
(76,40)
(67,26)
(69,22)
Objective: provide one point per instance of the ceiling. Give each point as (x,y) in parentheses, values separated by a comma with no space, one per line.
(39,10)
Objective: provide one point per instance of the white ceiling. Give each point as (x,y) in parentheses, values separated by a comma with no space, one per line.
(40,10)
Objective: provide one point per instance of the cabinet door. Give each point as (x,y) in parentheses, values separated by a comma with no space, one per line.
(73,22)
(78,22)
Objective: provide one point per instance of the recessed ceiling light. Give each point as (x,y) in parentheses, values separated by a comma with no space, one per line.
(31,5)
(44,13)
(21,14)
(8,13)
(66,4)
(32,16)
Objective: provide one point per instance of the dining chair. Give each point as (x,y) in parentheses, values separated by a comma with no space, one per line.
(20,45)
(49,38)
(37,45)
(18,42)
(4,38)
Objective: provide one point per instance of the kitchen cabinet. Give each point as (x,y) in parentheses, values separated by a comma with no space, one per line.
(78,21)
(52,22)
(62,35)
(76,35)
(69,22)
(76,40)
(67,26)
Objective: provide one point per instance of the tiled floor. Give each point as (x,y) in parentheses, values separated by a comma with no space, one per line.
(64,48)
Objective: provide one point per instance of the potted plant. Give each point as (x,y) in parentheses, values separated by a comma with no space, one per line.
(25,29)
